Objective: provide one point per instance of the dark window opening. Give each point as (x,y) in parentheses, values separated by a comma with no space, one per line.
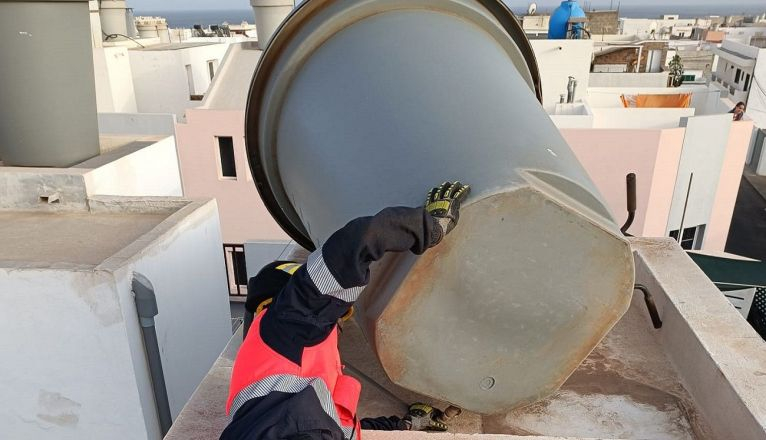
(236,269)
(737,76)
(691,239)
(226,156)
(747,83)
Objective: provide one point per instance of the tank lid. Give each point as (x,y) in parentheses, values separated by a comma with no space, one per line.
(315,22)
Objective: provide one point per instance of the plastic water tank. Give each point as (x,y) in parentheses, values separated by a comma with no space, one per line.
(356,106)
(559,23)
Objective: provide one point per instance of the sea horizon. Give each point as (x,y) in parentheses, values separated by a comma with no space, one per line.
(206,17)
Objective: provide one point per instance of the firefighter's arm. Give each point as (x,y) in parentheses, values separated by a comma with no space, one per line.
(322,291)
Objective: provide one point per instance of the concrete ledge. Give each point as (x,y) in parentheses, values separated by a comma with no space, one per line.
(721,358)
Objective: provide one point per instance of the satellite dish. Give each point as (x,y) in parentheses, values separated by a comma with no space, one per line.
(532,9)
(653,26)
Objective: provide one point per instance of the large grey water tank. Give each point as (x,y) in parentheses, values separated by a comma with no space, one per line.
(356,106)
(48,91)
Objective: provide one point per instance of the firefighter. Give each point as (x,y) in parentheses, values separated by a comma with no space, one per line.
(287,381)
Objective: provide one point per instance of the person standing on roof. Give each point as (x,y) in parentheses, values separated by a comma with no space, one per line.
(287,381)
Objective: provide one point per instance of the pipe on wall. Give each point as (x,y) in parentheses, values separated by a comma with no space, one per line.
(146,308)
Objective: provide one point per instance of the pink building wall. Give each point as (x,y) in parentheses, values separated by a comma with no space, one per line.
(663,182)
(731,174)
(243,215)
(608,155)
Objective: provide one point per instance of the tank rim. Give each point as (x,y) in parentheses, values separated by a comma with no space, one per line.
(305,11)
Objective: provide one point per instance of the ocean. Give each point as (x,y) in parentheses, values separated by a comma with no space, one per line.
(214,16)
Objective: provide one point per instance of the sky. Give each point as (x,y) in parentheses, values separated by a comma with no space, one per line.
(245,4)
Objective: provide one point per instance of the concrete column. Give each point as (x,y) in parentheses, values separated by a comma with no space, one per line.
(269,14)
(113,19)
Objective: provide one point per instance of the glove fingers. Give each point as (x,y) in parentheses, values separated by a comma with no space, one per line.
(462,193)
(444,189)
(432,195)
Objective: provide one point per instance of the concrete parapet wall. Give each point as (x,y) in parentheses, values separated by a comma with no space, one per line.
(721,358)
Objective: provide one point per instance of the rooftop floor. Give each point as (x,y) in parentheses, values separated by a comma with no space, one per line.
(81,238)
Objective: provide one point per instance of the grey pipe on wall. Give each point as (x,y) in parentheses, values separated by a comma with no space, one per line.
(146,308)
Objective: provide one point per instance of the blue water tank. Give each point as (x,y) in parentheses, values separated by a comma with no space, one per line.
(557,29)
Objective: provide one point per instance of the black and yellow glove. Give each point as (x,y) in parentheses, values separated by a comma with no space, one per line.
(443,203)
(422,417)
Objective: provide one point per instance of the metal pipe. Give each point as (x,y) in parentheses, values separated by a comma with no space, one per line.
(571,89)
(146,308)
(683,214)
(630,181)
(650,305)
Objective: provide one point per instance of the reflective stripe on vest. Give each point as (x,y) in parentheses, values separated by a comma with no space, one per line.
(259,370)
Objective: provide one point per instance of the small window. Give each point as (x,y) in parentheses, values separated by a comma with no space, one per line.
(692,237)
(226,157)
(737,76)
(746,86)
(190,79)
(212,67)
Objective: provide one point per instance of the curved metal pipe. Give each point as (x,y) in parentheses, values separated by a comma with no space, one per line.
(630,181)
(146,308)
(650,305)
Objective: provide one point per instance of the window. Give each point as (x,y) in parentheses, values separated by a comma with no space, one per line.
(746,86)
(691,238)
(689,77)
(226,157)
(236,269)
(212,67)
(190,79)
(737,75)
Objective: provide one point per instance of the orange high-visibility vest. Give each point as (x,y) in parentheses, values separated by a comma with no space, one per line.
(259,370)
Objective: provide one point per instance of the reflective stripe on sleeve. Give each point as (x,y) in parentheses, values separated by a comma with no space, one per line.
(288,383)
(326,283)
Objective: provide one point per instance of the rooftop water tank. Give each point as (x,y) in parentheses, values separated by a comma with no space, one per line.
(356,106)
(559,24)
(48,90)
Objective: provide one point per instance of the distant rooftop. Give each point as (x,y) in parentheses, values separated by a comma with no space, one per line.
(174,46)
(230,86)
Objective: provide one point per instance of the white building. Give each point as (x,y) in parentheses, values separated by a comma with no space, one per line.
(171,78)
(663,146)
(746,34)
(741,76)
(662,28)
(72,239)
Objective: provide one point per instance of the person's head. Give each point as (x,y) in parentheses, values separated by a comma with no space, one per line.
(739,108)
(264,287)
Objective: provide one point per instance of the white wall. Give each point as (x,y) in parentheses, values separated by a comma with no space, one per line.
(703,153)
(74,366)
(67,369)
(558,60)
(150,171)
(186,268)
(160,80)
(114,81)
(639,117)
(146,124)
(628,79)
